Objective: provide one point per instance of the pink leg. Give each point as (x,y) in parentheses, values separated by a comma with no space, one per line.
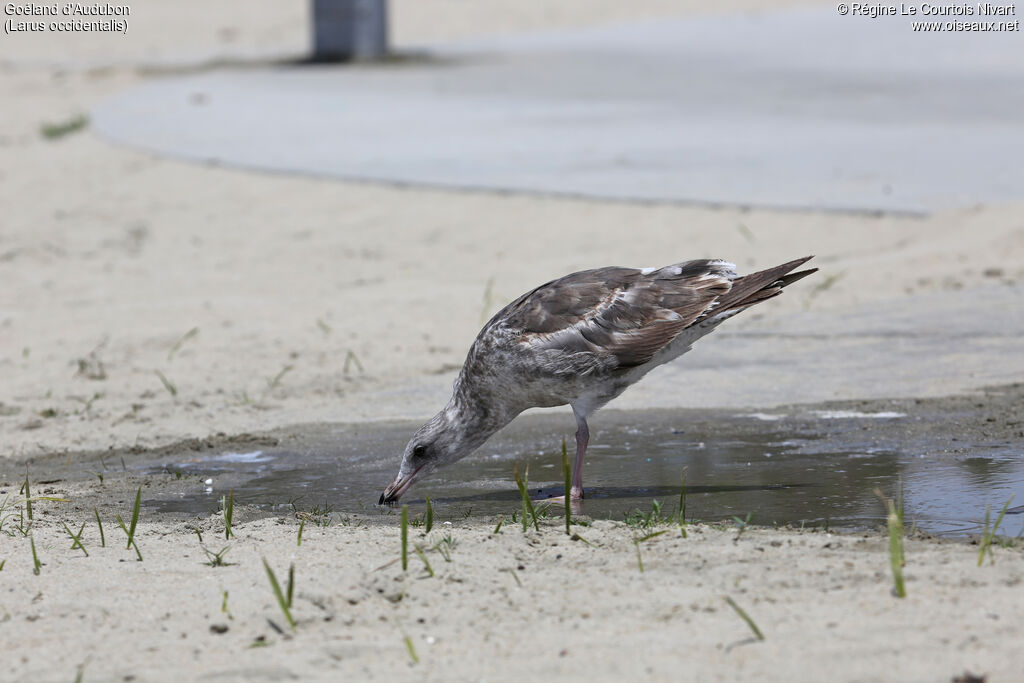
(582,438)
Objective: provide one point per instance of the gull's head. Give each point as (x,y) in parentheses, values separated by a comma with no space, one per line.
(434,445)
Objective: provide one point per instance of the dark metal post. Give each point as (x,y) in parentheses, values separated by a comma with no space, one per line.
(350,30)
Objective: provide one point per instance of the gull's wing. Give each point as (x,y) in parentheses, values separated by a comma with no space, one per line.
(618,313)
(628,315)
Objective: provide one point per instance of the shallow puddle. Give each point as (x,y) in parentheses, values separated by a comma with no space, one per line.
(808,468)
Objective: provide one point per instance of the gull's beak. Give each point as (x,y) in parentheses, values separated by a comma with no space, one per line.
(391,494)
(399,486)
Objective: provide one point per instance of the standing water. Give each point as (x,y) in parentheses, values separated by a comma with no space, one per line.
(803,467)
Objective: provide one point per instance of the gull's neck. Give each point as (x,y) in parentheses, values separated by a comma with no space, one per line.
(474,413)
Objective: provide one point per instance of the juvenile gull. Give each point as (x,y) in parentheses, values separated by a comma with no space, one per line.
(581,340)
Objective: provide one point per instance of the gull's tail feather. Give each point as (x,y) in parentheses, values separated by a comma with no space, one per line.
(761,286)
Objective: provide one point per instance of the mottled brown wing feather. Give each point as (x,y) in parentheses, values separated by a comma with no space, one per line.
(618,313)
(563,302)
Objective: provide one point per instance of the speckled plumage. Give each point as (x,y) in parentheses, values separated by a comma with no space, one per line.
(581,340)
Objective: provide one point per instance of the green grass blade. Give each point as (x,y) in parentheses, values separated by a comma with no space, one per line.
(178,344)
(168,384)
(76,540)
(291,583)
(567,475)
(430,516)
(28,498)
(54,131)
(131,540)
(999,519)
(988,536)
(899,515)
(745,617)
(984,535)
(577,537)
(528,508)
(522,496)
(36,564)
(741,525)
(276,381)
(103,538)
(229,513)
(896,557)
(302,525)
(639,559)
(514,575)
(423,557)
(405,537)
(276,587)
(216,559)
(682,499)
(411,649)
(1002,513)
(497,527)
(135,518)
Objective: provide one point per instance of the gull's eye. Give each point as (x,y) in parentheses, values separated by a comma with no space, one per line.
(419,451)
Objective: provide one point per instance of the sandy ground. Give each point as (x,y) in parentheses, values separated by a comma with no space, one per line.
(318,301)
(510,605)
